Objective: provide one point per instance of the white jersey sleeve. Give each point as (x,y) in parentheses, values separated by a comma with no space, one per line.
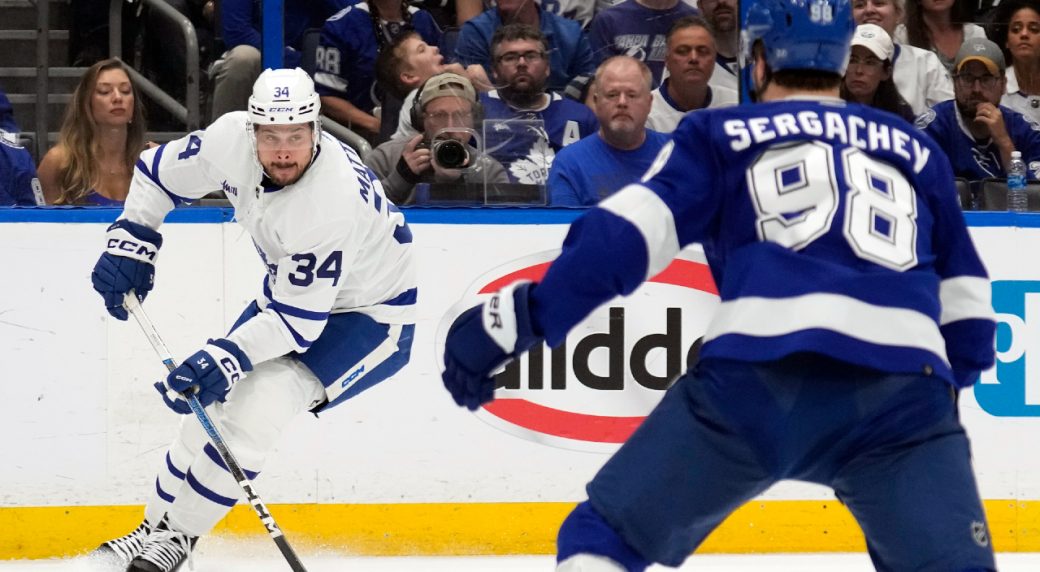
(188,169)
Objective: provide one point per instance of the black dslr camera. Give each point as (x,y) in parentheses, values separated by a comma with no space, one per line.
(448,152)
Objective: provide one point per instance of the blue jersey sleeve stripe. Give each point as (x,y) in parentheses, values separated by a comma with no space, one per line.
(846,316)
(652,218)
(405,298)
(295,312)
(143,168)
(299,339)
(964,298)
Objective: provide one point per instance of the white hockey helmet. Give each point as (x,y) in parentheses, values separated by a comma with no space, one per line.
(284,97)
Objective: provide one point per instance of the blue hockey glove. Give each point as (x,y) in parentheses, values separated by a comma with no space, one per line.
(483,339)
(210,372)
(128,263)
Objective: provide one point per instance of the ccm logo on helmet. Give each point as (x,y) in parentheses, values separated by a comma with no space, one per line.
(592,391)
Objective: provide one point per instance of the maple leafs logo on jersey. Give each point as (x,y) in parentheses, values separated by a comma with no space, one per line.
(534,168)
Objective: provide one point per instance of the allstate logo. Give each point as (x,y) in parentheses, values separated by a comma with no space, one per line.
(591,392)
(1012,387)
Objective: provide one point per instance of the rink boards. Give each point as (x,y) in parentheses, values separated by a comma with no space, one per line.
(400,469)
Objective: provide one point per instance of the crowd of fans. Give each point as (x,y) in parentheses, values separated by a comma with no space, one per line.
(572,96)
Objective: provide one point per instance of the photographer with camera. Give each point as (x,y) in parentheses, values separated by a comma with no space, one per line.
(445,111)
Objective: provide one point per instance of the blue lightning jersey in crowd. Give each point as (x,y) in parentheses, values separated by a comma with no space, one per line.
(346,57)
(526,150)
(973,159)
(829,228)
(18,182)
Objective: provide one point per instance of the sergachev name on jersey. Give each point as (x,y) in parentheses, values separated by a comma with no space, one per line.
(833,126)
(1012,387)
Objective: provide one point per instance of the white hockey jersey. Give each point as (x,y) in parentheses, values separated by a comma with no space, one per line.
(331,242)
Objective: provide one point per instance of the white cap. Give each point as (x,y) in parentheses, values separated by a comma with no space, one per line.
(875,39)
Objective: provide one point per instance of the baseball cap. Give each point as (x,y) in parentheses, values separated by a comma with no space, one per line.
(447,84)
(875,39)
(980,50)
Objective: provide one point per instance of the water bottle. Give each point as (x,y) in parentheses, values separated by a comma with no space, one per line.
(1016,184)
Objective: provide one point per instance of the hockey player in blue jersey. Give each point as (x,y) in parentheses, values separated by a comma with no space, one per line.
(335,316)
(853,308)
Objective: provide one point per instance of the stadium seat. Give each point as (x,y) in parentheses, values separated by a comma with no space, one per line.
(965,193)
(992,194)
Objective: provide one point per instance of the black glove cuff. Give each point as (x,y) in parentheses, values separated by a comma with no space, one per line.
(406,172)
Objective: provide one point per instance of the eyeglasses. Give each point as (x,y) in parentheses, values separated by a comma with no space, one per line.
(457,117)
(968,80)
(867,62)
(511,58)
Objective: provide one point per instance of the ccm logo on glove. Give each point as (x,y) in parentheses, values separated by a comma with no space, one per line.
(136,250)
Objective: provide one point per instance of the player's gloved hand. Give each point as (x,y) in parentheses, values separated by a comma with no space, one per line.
(483,339)
(209,372)
(128,263)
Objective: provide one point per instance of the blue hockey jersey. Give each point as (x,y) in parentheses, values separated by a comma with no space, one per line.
(527,151)
(829,227)
(346,56)
(975,160)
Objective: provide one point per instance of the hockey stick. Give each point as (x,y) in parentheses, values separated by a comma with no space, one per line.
(137,311)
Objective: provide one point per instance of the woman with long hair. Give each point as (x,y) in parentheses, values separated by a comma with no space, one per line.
(941,26)
(868,78)
(100,139)
(1016,27)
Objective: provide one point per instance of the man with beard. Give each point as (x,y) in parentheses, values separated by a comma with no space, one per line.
(334,319)
(975,131)
(622,150)
(722,15)
(567,48)
(690,63)
(521,69)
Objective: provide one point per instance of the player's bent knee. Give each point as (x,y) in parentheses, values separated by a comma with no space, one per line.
(587,543)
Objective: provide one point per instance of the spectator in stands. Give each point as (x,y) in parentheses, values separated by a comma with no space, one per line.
(1017,28)
(350,42)
(941,26)
(404,65)
(722,15)
(690,64)
(637,28)
(237,69)
(976,132)
(406,167)
(591,169)
(100,139)
(450,13)
(521,70)
(568,48)
(18,182)
(868,79)
(919,76)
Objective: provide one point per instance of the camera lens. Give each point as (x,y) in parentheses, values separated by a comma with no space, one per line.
(450,154)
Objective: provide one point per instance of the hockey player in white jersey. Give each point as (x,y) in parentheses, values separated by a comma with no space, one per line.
(334,318)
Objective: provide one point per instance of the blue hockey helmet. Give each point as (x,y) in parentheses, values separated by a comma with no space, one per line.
(799,34)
